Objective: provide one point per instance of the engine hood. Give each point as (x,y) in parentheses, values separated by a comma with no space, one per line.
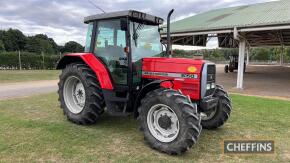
(173,65)
(185,73)
(176,60)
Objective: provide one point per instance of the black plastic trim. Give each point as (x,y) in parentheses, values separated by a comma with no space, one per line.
(142,93)
(208,103)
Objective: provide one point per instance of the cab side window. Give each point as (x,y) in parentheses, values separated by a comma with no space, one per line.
(89,37)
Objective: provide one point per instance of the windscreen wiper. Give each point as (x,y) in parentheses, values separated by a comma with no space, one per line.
(135,33)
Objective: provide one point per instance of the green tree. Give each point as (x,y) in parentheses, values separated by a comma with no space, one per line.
(72,47)
(33,45)
(48,45)
(2,34)
(287,55)
(40,43)
(13,40)
(2,47)
(260,54)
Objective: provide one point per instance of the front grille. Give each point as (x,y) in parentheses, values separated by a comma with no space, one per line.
(211,69)
(208,79)
(211,72)
(211,77)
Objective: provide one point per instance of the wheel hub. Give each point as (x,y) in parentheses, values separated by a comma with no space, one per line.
(74,94)
(165,122)
(79,94)
(208,115)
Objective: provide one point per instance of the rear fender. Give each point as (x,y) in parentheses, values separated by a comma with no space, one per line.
(93,62)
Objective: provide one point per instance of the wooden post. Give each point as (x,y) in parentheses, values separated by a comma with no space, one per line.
(19,59)
(42,60)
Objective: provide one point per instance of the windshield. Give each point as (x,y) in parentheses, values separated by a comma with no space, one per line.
(145,41)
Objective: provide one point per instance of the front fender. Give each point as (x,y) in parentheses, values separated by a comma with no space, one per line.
(142,93)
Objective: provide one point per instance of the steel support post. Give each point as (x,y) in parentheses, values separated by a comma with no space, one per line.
(240,76)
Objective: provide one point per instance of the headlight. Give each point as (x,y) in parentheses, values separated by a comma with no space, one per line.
(208,86)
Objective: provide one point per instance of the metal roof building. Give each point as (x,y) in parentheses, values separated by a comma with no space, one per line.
(263,24)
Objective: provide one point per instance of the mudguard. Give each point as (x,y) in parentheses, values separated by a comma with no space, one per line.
(147,88)
(93,62)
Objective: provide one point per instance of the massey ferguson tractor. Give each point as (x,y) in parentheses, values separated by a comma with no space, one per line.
(122,73)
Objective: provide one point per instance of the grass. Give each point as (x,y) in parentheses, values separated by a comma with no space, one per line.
(34,129)
(8,76)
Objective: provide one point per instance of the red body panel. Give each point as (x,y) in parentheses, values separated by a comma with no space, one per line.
(188,86)
(97,66)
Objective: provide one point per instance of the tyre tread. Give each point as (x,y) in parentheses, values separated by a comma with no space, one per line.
(96,104)
(189,112)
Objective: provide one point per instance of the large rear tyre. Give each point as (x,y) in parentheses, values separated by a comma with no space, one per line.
(80,94)
(226,69)
(216,117)
(169,121)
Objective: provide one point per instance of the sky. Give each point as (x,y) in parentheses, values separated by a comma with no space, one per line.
(62,20)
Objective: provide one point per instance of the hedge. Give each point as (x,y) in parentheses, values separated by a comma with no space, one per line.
(29,61)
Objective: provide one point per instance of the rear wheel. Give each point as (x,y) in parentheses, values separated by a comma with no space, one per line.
(169,121)
(231,69)
(217,116)
(226,68)
(80,94)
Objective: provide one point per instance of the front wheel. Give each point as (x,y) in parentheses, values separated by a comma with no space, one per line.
(169,121)
(217,116)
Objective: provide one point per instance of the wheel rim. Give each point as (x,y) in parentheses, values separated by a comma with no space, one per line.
(74,94)
(208,115)
(163,123)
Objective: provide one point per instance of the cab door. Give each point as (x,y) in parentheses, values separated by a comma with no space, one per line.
(110,42)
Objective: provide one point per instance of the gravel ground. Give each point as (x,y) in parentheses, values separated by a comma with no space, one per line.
(258,80)
(22,89)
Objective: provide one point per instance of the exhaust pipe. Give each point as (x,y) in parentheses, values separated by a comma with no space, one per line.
(169,46)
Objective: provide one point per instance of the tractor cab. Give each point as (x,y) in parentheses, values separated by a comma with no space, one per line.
(121,40)
(122,72)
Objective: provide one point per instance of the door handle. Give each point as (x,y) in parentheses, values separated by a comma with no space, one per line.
(122,58)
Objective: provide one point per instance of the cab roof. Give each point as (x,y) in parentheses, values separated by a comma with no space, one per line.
(137,15)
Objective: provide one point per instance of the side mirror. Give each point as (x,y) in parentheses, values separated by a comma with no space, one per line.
(124,24)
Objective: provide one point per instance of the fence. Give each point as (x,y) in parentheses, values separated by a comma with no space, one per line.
(32,61)
(27,61)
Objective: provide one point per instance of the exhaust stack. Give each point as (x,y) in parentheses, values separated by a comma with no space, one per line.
(169,46)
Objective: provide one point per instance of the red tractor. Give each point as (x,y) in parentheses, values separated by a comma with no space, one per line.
(122,73)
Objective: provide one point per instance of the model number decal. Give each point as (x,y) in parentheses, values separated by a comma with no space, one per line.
(194,76)
(168,74)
